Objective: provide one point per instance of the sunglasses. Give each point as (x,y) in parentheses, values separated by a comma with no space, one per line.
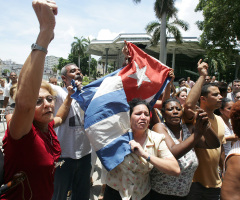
(49,99)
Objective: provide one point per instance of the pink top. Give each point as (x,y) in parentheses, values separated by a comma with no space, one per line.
(34,155)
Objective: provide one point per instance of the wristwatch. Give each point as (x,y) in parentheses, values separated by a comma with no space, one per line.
(148,158)
(35,46)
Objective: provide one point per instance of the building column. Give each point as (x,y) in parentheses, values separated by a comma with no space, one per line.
(118,59)
(114,65)
(173,58)
(106,60)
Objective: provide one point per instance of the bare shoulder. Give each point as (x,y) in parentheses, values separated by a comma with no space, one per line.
(231,187)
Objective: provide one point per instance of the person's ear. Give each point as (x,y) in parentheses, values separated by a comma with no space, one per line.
(63,78)
(203,98)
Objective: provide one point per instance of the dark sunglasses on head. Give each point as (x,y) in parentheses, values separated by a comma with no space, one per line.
(48,98)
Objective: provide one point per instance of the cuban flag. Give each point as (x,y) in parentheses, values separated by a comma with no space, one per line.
(105,102)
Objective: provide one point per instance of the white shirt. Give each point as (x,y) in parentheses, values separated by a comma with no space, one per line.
(71,134)
(231,96)
(181,88)
(7,93)
(2,95)
(227,146)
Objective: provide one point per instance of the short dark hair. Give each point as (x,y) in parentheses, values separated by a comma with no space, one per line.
(235,118)
(181,80)
(135,102)
(205,91)
(167,101)
(236,80)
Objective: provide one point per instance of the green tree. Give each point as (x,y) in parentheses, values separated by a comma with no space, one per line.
(172,29)
(220,30)
(79,48)
(55,68)
(163,9)
(62,62)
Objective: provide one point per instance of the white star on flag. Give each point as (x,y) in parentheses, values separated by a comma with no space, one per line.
(140,75)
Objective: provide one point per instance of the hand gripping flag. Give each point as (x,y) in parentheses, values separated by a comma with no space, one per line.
(105,102)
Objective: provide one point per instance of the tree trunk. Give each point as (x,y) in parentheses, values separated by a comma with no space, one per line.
(237,67)
(163,38)
(79,61)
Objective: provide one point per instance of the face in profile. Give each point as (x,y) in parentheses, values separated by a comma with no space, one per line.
(226,110)
(214,98)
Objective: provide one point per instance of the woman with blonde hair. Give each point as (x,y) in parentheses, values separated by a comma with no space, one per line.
(30,143)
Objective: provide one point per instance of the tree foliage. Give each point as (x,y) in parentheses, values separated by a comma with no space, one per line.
(79,50)
(221,32)
(167,6)
(172,28)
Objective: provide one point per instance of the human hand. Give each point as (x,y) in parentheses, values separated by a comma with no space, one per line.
(70,90)
(235,137)
(202,68)
(78,84)
(171,74)
(136,148)
(126,52)
(202,122)
(45,11)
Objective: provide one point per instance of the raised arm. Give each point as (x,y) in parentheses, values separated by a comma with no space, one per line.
(65,107)
(166,92)
(195,92)
(30,77)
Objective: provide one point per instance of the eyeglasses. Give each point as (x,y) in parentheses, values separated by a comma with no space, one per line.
(49,99)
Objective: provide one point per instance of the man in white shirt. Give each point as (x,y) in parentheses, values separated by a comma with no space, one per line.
(183,85)
(190,82)
(235,89)
(74,174)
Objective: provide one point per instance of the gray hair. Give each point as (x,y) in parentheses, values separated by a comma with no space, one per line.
(64,69)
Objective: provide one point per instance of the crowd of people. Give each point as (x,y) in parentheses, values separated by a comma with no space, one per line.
(186,147)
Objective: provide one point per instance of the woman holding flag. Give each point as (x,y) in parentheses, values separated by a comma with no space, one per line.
(130,179)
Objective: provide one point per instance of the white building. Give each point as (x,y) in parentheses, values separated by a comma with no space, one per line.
(50,62)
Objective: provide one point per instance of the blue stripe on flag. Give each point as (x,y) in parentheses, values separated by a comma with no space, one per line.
(85,96)
(114,153)
(106,106)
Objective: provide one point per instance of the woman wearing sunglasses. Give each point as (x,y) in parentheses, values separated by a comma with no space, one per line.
(30,143)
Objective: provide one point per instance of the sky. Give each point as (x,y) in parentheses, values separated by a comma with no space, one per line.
(102,20)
